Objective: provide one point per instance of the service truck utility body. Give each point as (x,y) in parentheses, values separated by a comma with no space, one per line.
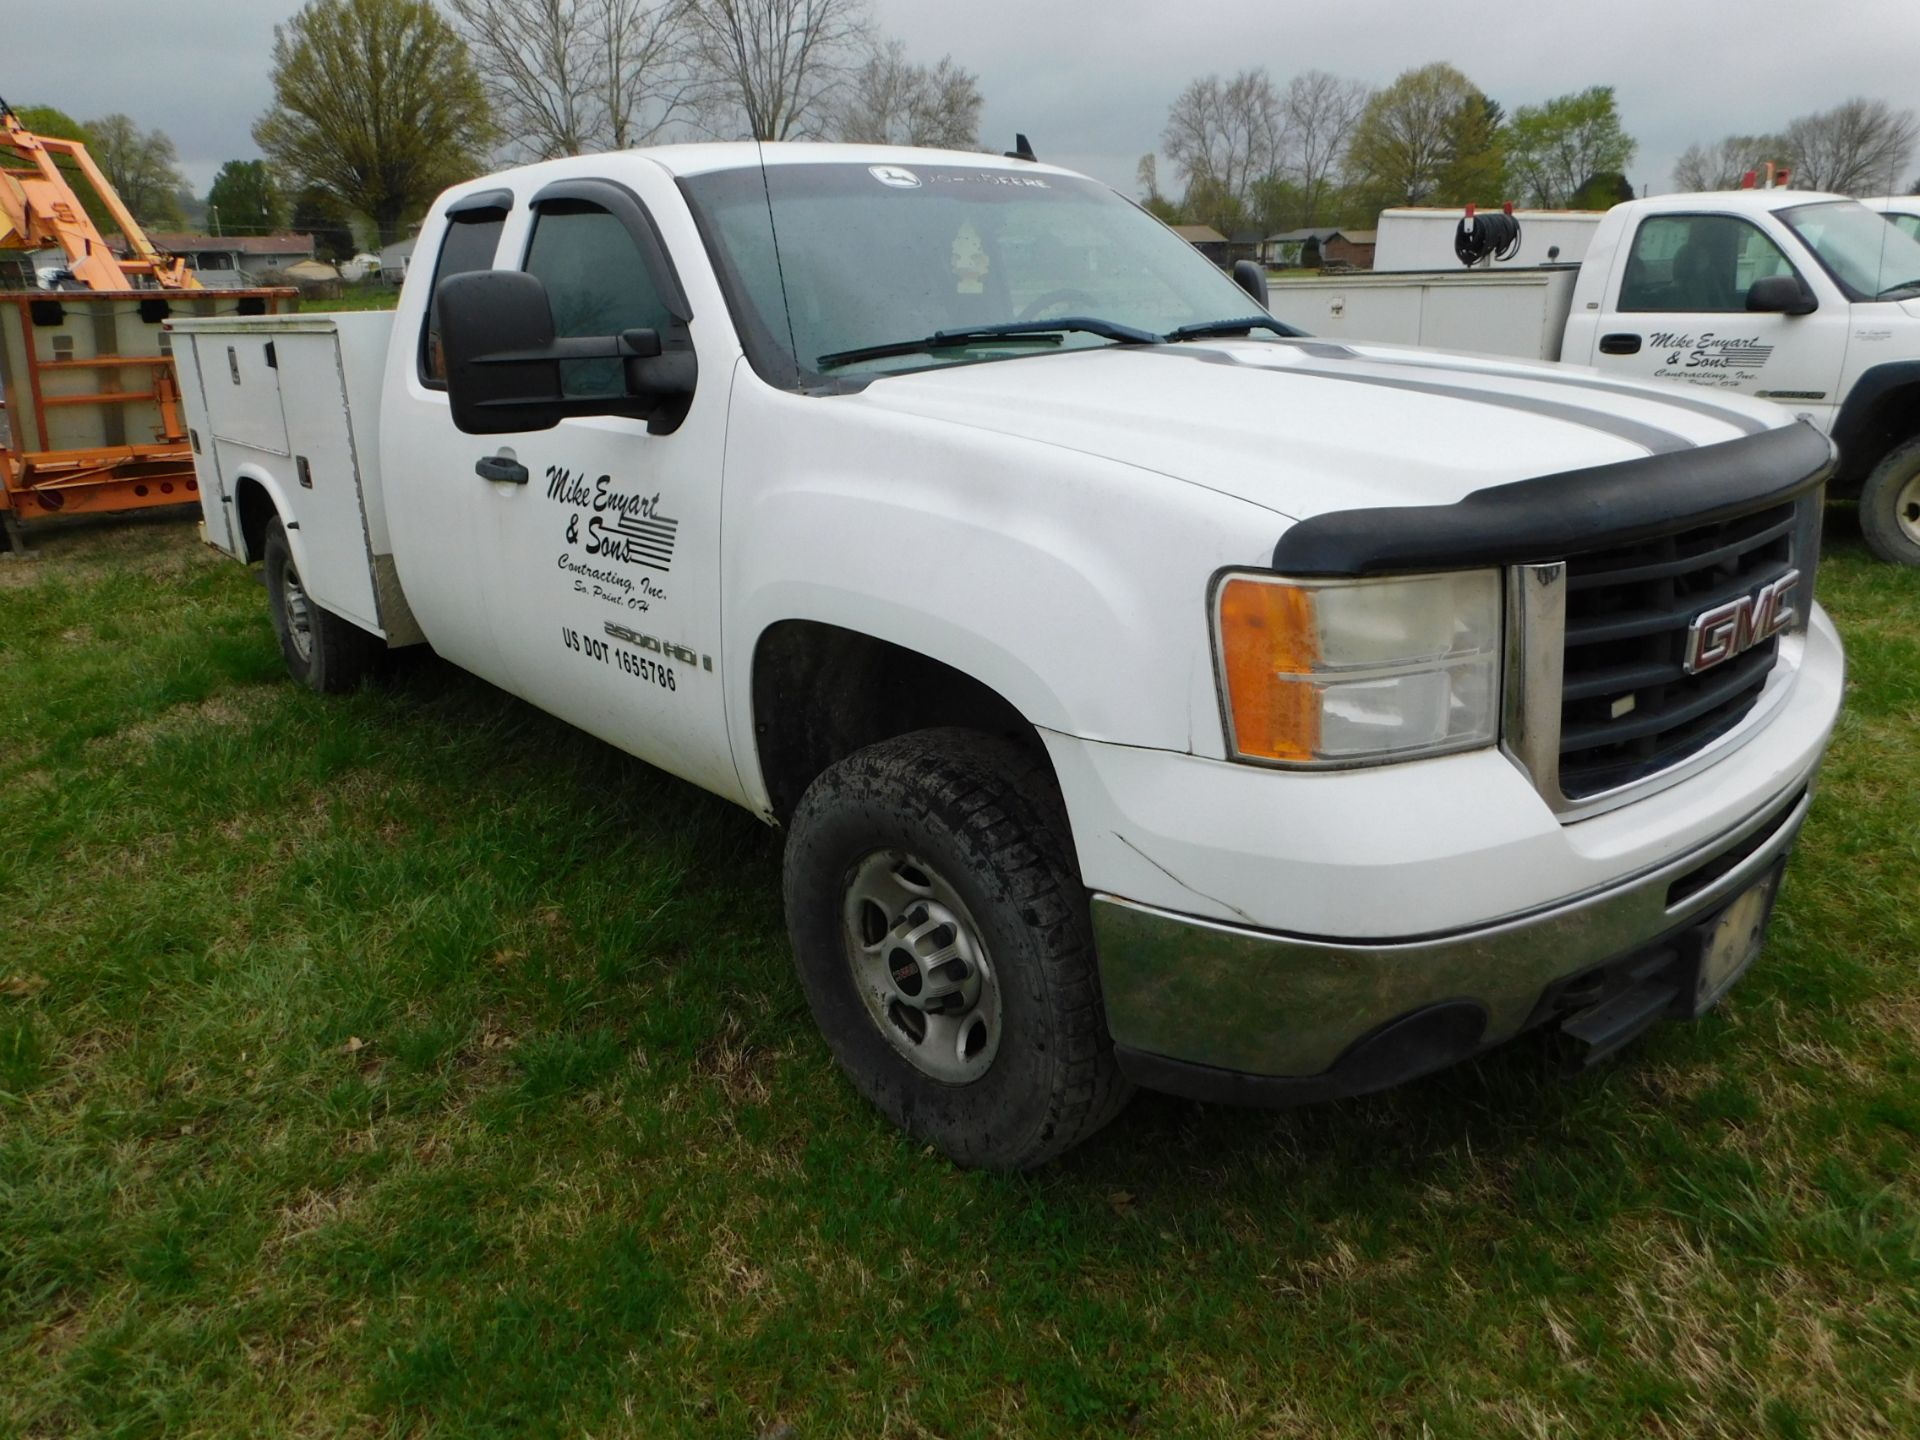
(1803,299)
(1356,707)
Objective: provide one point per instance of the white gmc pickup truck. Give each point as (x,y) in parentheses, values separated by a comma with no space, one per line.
(1149,695)
(1811,301)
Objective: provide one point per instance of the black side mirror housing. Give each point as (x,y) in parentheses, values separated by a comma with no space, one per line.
(485,317)
(1781,295)
(504,362)
(1251,276)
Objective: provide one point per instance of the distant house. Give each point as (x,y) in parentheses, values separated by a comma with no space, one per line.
(1318,246)
(1351,247)
(1207,240)
(394,260)
(1244,245)
(1295,247)
(232,262)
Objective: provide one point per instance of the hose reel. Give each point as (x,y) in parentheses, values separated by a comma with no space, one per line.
(1480,237)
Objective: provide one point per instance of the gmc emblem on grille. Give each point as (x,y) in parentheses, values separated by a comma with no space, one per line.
(1719,634)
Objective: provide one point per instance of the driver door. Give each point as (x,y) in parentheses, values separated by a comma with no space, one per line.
(1678,313)
(600,570)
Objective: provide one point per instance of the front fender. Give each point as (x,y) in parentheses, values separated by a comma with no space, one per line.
(1863,413)
(1073,586)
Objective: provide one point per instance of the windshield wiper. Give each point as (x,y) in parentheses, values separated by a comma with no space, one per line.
(1039,332)
(1246,324)
(1888,293)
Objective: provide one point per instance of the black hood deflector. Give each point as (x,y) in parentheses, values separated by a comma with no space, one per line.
(1553,516)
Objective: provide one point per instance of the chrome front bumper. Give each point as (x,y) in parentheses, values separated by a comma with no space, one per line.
(1219,1011)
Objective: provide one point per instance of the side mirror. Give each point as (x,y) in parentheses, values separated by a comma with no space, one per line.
(1781,295)
(505,366)
(495,331)
(1251,277)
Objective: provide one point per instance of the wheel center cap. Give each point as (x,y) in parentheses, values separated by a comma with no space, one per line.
(930,959)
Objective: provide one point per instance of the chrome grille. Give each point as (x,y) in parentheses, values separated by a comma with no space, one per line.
(1628,706)
(1599,705)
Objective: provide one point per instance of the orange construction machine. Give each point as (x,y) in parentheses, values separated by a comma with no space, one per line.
(90,418)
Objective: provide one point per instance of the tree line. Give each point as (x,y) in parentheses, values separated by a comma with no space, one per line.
(1859,147)
(378,105)
(1252,154)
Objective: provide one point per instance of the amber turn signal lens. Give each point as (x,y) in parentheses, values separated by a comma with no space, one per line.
(1267,653)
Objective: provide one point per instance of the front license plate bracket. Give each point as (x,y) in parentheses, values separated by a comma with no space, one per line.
(1726,945)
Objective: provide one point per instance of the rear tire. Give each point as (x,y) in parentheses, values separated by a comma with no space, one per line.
(1890,505)
(942,937)
(322,651)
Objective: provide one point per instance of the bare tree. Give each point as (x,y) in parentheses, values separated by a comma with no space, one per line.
(1224,137)
(1321,111)
(571,76)
(1859,147)
(895,102)
(770,66)
(140,164)
(1723,165)
(1147,176)
(642,53)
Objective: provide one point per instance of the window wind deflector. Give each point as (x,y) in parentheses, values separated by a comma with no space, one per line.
(482,205)
(1246,324)
(1039,332)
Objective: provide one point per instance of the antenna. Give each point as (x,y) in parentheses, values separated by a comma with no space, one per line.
(1021,149)
(773,231)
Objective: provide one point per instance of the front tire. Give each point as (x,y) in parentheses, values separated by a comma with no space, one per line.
(1890,505)
(322,651)
(942,937)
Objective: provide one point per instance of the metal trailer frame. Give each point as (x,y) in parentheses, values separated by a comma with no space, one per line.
(41,479)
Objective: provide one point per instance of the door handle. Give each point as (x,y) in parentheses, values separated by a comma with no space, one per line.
(1619,344)
(501,469)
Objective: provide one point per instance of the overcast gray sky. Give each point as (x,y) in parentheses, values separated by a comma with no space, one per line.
(1090,80)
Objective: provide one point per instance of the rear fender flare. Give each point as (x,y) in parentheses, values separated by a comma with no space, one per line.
(251,473)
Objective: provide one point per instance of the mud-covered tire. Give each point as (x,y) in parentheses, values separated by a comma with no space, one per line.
(322,651)
(983,819)
(1890,505)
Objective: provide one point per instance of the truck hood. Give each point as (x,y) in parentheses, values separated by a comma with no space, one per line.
(1307,426)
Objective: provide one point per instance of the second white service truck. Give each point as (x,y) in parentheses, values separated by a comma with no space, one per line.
(1807,300)
(1149,696)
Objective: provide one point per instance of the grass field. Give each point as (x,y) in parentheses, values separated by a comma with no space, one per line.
(410,1064)
(367,295)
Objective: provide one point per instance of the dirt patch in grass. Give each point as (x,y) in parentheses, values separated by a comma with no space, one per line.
(227,710)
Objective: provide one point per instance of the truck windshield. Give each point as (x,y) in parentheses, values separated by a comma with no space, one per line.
(1868,258)
(874,262)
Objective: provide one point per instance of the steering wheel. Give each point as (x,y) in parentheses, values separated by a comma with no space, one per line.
(1066,296)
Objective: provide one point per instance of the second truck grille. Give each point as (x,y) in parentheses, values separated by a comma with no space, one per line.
(1629,708)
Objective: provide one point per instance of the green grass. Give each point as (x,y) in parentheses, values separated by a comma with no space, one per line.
(408,1064)
(366,295)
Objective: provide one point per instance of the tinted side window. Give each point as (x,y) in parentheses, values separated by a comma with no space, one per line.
(1908,223)
(470,245)
(1696,263)
(597,284)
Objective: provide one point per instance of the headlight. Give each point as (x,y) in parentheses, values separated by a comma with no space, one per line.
(1349,672)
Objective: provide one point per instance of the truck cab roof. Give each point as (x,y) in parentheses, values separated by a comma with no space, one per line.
(705,157)
(1733,202)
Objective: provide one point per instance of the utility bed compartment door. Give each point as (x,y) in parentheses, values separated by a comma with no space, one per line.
(325,473)
(241,377)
